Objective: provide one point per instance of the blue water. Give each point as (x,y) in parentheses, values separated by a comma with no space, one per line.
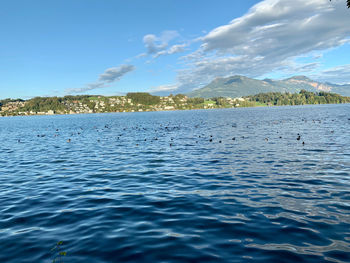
(230,185)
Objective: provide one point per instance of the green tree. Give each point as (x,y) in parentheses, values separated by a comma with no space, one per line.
(143,98)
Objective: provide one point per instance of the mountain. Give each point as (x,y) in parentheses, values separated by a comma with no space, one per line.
(239,86)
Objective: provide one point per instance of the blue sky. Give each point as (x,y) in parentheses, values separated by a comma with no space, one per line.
(110,47)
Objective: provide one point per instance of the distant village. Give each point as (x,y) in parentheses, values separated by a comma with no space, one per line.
(142,101)
(132,102)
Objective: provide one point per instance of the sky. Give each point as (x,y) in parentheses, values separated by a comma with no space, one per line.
(111,47)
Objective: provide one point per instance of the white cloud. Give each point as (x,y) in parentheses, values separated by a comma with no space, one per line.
(158,45)
(172,50)
(113,74)
(109,76)
(176,49)
(151,45)
(268,38)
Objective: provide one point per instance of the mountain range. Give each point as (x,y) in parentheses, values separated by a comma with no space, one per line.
(239,86)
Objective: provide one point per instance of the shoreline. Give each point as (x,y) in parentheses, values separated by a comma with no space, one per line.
(145,102)
(121,112)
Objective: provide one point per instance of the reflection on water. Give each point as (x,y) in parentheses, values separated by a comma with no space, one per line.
(187,186)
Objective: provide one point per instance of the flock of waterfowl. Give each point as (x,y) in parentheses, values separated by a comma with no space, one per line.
(165,129)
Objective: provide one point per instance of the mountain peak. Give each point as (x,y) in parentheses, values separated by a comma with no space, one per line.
(300,77)
(237,77)
(229,78)
(238,86)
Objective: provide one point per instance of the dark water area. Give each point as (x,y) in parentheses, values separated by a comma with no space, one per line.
(235,185)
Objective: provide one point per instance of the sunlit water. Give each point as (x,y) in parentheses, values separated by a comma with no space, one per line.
(187,186)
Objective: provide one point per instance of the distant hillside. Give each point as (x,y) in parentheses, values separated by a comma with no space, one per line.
(239,86)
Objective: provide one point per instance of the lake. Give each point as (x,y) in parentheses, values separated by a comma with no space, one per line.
(233,185)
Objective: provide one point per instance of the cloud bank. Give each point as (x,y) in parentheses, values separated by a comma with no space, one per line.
(269,38)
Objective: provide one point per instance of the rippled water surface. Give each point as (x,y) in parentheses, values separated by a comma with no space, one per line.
(187,186)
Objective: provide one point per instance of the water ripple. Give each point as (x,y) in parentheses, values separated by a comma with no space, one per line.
(194,186)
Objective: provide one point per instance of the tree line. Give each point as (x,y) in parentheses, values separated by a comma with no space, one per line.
(179,101)
(301,98)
